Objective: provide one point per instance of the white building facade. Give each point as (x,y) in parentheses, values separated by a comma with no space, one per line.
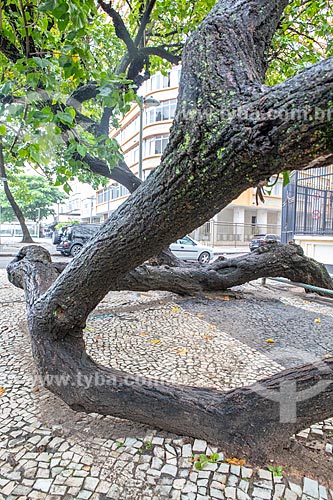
(235,225)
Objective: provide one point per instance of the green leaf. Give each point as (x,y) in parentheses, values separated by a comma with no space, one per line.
(82,150)
(214,457)
(48,5)
(41,63)
(63,22)
(3,129)
(6,88)
(60,11)
(67,188)
(286,178)
(65,118)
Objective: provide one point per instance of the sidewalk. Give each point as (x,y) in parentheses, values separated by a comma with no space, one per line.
(49,452)
(10,246)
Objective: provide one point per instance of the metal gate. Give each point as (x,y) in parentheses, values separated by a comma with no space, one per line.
(307,206)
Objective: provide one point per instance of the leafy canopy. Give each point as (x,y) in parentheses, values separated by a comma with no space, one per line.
(304,37)
(69,70)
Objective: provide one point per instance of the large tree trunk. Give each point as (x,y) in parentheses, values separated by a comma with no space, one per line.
(265,408)
(229,133)
(26,236)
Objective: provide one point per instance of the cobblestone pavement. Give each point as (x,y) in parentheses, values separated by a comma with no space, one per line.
(49,452)
(300,324)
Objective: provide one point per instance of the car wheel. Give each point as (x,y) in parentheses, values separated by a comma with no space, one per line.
(75,250)
(56,238)
(204,257)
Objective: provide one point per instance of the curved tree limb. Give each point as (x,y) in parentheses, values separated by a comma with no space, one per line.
(120,173)
(271,260)
(120,28)
(26,236)
(144,21)
(247,421)
(268,261)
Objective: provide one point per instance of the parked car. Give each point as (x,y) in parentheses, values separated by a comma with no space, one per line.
(73,238)
(188,249)
(58,234)
(47,232)
(261,239)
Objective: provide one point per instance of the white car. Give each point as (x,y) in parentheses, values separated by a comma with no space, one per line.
(188,249)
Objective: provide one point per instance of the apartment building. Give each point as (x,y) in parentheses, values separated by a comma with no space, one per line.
(237,223)
(81,205)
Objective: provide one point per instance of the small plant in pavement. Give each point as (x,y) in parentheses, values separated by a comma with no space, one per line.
(277,471)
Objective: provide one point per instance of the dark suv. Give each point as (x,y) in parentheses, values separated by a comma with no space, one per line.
(75,237)
(262,239)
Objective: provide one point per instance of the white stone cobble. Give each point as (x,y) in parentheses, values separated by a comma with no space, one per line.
(46,454)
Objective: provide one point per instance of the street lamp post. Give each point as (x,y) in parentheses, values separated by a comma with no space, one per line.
(144,102)
(38,222)
(91,208)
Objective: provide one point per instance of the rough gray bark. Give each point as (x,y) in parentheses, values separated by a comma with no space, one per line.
(230,132)
(271,260)
(275,260)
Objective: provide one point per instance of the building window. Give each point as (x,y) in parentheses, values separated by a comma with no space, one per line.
(111,193)
(155,145)
(157,82)
(166,111)
(132,156)
(126,133)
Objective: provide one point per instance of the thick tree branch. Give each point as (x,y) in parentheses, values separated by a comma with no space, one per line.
(81,94)
(269,261)
(294,120)
(120,173)
(120,28)
(220,417)
(272,260)
(104,125)
(162,53)
(144,21)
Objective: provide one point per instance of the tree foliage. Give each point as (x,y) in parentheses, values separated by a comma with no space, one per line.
(304,37)
(35,196)
(71,69)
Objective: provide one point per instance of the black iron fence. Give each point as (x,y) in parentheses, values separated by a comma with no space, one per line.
(307,206)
